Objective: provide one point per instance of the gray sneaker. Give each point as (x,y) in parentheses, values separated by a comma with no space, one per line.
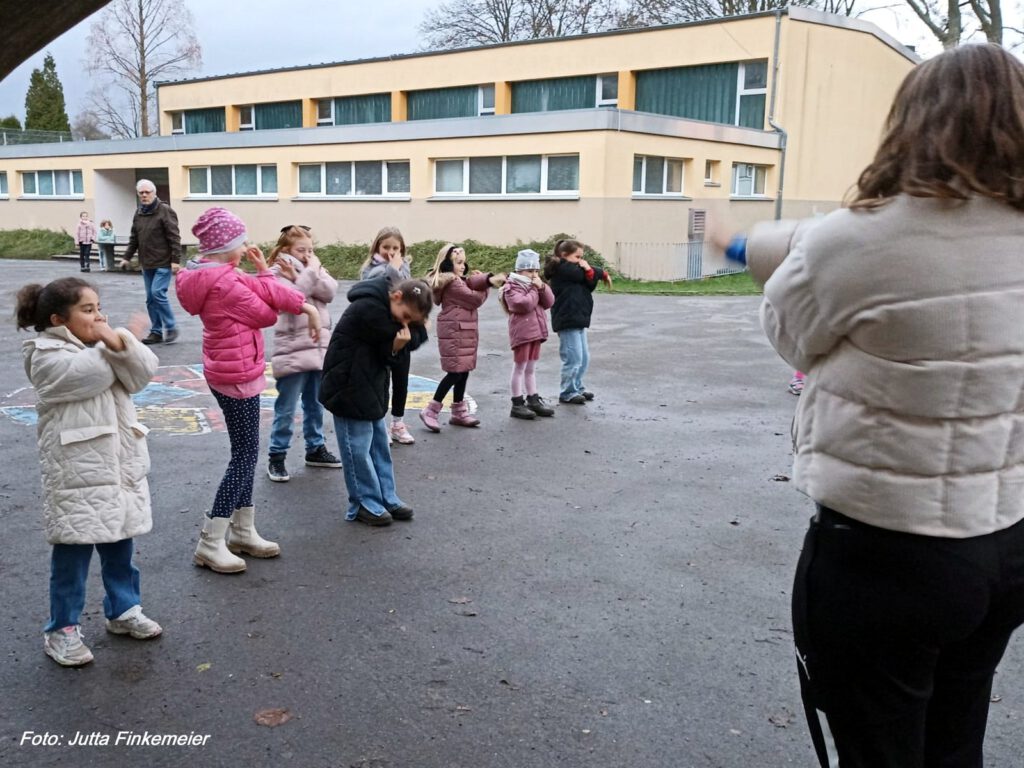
(366,516)
(135,623)
(170,336)
(321,457)
(276,470)
(65,646)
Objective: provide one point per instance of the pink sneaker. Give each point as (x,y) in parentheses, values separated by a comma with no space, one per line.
(400,433)
(429,416)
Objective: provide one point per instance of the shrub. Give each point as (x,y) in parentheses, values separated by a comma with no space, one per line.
(34,243)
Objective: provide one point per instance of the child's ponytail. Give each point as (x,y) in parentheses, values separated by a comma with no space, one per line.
(36,304)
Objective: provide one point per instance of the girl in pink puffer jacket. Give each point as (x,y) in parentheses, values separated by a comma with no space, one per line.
(234,308)
(526,298)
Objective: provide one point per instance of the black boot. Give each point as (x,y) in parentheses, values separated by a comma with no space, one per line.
(536,404)
(520,409)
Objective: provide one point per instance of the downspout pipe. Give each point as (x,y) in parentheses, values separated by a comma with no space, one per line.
(783,136)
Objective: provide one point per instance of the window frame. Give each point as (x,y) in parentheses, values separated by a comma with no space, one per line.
(73,174)
(642,193)
(322,121)
(755,169)
(209,195)
(742,91)
(178,117)
(599,99)
(544,192)
(712,173)
(322,194)
(482,110)
(5,186)
(251,124)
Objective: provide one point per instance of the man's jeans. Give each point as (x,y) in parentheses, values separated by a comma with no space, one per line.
(366,458)
(157,281)
(69,568)
(575,354)
(305,384)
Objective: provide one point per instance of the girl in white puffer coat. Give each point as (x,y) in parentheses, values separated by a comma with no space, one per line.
(94,457)
(298,359)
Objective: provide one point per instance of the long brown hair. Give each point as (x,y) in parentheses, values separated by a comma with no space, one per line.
(956,129)
(383,235)
(289,237)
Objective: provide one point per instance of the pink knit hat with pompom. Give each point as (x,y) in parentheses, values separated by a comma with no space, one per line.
(219,230)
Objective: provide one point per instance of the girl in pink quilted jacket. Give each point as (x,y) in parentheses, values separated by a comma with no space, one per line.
(93,454)
(234,308)
(459,292)
(526,298)
(298,359)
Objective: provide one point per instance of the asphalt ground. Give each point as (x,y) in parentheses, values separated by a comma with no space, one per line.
(608,587)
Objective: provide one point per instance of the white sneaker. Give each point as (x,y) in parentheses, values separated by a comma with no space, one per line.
(135,623)
(400,433)
(65,646)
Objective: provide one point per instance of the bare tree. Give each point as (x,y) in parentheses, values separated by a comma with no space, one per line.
(462,23)
(86,127)
(132,45)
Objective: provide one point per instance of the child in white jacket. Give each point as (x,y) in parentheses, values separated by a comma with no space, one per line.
(93,454)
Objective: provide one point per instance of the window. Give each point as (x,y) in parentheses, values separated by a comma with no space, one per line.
(654,175)
(233,181)
(3,184)
(245,118)
(486,100)
(748,180)
(325,112)
(51,184)
(199,121)
(177,122)
(374,178)
(555,93)
(711,173)
(438,103)
(508,176)
(368,108)
(608,90)
(751,91)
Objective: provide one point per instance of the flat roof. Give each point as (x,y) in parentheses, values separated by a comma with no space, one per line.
(796,14)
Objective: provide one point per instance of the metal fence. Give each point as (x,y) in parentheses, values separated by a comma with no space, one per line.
(692,260)
(9,136)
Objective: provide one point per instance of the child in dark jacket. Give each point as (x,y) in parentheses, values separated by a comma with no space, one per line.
(526,298)
(573,281)
(371,333)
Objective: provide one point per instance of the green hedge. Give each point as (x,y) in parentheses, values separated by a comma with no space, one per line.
(34,243)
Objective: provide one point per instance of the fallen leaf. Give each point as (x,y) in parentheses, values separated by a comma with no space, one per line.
(503,681)
(276,674)
(459,600)
(467,613)
(996,698)
(734,522)
(203,667)
(780,478)
(272,717)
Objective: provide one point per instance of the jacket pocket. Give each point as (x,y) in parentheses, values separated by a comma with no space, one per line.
(136,465)
(82,434)
(87,457)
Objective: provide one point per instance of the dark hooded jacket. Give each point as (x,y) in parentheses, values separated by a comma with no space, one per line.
(155,236)
(573,287)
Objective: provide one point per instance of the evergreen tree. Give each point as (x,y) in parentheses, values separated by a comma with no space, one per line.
(44,102)
(11,121)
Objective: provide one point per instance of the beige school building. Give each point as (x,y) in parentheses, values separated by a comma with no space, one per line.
(624,139)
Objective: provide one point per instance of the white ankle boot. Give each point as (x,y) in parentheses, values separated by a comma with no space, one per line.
(212,551)
(242,536)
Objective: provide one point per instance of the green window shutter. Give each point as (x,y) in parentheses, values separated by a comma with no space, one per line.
(281,114)
(554,94)
(752,111)
(205,120)
(706,92)
(353,110)
(442,102)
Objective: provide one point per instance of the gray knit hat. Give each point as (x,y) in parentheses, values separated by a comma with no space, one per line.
(527,259)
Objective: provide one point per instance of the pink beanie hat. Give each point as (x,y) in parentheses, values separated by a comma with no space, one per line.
(219,230)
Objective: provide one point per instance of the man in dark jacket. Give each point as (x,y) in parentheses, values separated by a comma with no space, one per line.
(156,239)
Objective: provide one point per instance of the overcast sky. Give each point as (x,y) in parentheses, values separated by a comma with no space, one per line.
(262,34)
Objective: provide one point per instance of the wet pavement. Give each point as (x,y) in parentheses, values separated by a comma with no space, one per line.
(605,588)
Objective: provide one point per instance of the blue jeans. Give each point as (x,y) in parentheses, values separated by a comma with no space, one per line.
(366,458)
(161,319)
(289,388)
(69,568)
(575,354)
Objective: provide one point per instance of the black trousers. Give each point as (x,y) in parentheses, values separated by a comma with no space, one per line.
(456,381)
(898,637)
(400,383)
(84,252)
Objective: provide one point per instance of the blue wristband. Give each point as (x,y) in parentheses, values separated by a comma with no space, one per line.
(737,250)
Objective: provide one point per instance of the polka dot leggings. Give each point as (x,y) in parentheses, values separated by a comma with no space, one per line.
(242,418)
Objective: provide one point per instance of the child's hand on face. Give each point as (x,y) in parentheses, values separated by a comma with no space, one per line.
(538,283)
(402,338)
(287,270)
(255,257)
(583,263)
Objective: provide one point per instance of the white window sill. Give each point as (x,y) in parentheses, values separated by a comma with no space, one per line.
(354,198)
(232,198)
(459,198)
(639,196)
(751,198)
(52,197)
(5,197)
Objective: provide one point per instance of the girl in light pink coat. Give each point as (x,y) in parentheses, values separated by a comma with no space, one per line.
(234,308)
(298,359)
(526,298)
